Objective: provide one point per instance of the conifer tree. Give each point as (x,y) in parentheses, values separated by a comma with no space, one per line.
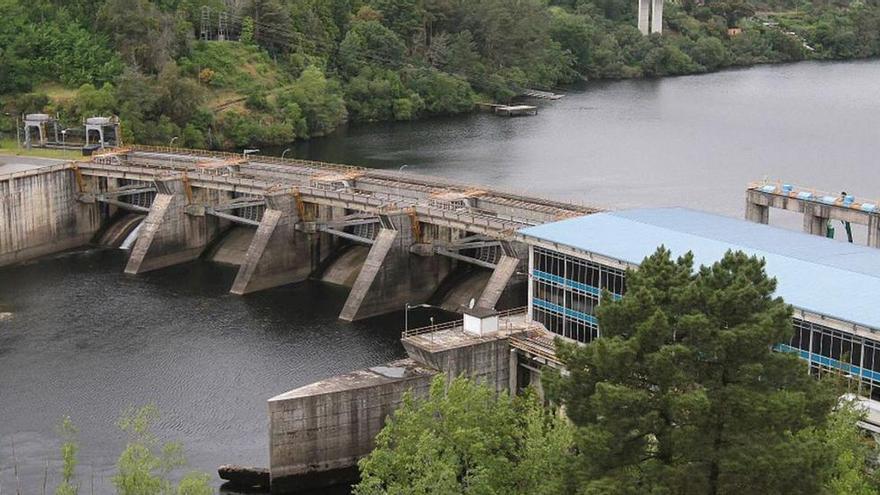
(683,393)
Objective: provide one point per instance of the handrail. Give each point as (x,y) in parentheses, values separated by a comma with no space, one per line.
(457,323)
(562,208)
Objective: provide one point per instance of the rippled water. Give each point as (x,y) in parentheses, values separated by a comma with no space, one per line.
(85,340)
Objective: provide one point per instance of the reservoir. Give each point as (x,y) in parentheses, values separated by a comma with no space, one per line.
(80,338)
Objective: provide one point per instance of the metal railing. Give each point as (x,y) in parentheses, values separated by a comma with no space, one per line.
(562,208)
(459,323)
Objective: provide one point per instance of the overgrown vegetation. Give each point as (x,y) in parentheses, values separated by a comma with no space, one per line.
(682,394)
(299,68)
(145,466)
(467,440)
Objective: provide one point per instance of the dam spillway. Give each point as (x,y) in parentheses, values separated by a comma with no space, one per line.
(416,229)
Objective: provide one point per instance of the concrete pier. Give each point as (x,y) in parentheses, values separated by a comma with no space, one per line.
(393,275)
(817,207)
(644,16)
(657,16)
(40,213)
(318,432)
(171,233)
(278,254)
(501,275)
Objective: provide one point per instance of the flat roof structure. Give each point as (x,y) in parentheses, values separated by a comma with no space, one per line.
(815,274)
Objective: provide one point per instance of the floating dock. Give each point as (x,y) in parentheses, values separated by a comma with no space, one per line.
(509,110)
(542,95)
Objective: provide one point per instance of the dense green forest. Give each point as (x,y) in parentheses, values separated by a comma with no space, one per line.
(291,69)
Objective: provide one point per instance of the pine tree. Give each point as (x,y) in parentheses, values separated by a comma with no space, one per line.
(683,393)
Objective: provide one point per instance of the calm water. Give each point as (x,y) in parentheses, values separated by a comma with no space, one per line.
(86,340)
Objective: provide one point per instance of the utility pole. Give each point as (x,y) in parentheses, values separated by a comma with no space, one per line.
(206,21)
(221,26)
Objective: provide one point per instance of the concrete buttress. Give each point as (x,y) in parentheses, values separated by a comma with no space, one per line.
(392,276)
(504,271)
(169,234)
(278,254)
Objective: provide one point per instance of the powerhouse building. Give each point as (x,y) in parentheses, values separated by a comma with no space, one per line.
(833,286)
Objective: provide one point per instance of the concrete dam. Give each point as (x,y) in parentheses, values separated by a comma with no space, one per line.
(393,238)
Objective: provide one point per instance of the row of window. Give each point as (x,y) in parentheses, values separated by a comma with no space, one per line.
(566,326)
(566,291)
(832,351)
(577,273)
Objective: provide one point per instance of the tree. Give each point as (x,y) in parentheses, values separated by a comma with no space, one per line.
(849,451)
(68,455)
(319,99)
(710,53)
(683,393)
(467,440)
(144,466)
(369,43)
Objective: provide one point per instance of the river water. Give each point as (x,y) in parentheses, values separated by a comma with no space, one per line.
(85,340)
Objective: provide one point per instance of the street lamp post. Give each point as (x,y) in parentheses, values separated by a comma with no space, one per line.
(400,177)
(284,153)
(171,156)
(414,306)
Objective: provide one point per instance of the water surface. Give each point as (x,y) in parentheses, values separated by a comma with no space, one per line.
(85,340)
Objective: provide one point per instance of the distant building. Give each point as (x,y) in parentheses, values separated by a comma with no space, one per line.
(833,286)
(734,31)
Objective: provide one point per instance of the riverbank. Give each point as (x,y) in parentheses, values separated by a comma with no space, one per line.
(263,86)
(85,340)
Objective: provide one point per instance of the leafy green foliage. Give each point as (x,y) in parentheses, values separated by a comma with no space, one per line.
(385,59)
(465,439)
(69,449)
(144,466)
(849,451)
(369,43)
(683,392)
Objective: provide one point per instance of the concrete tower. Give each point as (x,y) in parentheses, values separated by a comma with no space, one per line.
(650,16)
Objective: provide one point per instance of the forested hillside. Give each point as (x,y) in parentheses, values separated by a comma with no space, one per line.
(291,69)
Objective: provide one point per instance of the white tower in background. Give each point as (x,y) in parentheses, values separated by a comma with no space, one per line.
(650,16)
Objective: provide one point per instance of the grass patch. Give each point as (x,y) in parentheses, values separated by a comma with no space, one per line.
(56,91)
(10,147)
(237,67)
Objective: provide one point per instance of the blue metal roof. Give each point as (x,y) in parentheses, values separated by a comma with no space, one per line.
(832,278)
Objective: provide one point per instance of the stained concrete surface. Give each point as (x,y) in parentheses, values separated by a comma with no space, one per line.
(10,163)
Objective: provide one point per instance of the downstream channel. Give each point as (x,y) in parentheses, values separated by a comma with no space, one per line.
(79,338)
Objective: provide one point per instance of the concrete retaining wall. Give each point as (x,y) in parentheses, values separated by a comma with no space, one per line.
(485,360)
(318,432)
(40,214)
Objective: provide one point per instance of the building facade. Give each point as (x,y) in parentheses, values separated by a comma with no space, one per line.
(576,263)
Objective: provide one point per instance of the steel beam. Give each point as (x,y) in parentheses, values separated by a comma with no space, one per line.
(346,235)
(232,218)
(466,259)
(123,204)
